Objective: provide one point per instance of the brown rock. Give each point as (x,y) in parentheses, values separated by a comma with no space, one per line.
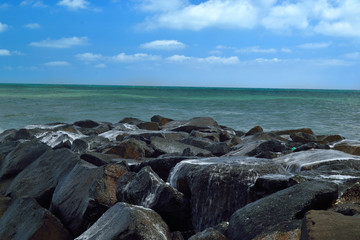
(288,132)
(291,235)
(160,120)
(148,126)
(254,130)
(351,149)
(349,202)
(131,149)
(329,139)
(325,225)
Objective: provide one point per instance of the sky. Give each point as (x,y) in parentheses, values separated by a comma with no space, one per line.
(310,44)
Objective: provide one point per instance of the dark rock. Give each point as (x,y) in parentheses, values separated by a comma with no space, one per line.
(351,149)
(190,125)
(218,186)
(7,147)
(269,184)
(160,120)
(39,179)
(265,149)
(13,135)
(23,155)
(125,221)
(132,121)
(324,225)
(148,126)
(162,165)
(329,139)
(254,130)
(65,144)
(303,137)
(218,149)
(79,146)
(209,234)
(166,146)
(86,124)
(280,235)
(103,190)
(26,219)
(282,210)
(148,190)
(196,142)
(96,143)
(310,145)
(4,204)
(300,130)
(349,202)
(177,236)
(131,149)
(71,202)
(213,136)
(97,159)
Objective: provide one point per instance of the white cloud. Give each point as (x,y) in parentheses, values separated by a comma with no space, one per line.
(32,26)
(138,57)
(162,5)
(266,60)
(163,45)
(57,64)
(178,58)
(88,57)
(256,49)
(5,52)
(220,60)
(3,27)
(61,43)
(315,45)
(74,4)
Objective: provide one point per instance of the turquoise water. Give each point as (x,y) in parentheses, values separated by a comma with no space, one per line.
(325,111)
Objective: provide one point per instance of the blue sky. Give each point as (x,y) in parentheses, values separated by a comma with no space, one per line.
(215,43)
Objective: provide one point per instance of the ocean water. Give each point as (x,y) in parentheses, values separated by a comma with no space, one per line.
(325,111)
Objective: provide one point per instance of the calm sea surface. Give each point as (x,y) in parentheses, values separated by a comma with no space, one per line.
(325,111)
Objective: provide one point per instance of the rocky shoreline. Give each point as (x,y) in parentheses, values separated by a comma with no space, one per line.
(170,179)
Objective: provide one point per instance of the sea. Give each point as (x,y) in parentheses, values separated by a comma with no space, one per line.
(324,111)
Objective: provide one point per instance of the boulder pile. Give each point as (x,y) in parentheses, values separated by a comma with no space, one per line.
(176,179)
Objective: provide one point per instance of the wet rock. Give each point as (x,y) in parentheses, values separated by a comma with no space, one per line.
(148,126)
(303,137)
(277,235)
(71,202)
(39,179)
(13,135)
(329,139)
(26,219)
(131,149)
(218,149)
(310,145)
(7,147)
(218,186)
(166,146)
(349,202)
(300,130)
(282,210)
(267,149)
(209,234)
(212,135)
(23,155)
(125,221)
(86,124)
(160,120)
(148,190)
(351,149)
(323,225)
(79,146)
(103,190)
(190,125)
(196,141)
(177,236)
(66,144)
(4,204)
(254,130)
(132,121)
(97,159)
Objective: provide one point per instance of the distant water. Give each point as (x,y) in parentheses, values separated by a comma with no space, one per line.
(325,111)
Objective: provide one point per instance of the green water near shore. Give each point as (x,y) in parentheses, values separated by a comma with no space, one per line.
(325,111)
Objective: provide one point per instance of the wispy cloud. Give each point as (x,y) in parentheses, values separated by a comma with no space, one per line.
(256,49)
(74,4)
(137,57)
(33,3)
(5,52)
(3,27)
(353,55)
(32,26)
(178,58)
(88,57)
(315,45)
(163,45)
(61,43)
(210,60)
(57,64)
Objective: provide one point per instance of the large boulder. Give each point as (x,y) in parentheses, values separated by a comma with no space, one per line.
(131,149)
(160,120)
(148,190)
(86,124)
(324,225)
(218,186)
(208,234)
(348,148)
(303,137)
(26,219)
(127,222)
(254,130)
(349,202)
(281,211)
(71,202)
(196,123)
(40,178)
(22,156)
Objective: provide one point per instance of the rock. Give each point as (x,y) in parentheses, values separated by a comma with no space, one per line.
(271,183)
(39,179)
(218,186)
(66,144)
(148,190)
(13,135)
(166,146)
(23,155)
(160,120)
(268,149)
(351,149)
(79,146)
(190,125)
(329,139)
(324,225)
(86,124)
(290,235)
(98,159)
(218,148)
(310,145)
(212,135)
(148,126)
(282,210)
(7,147)
(4,204)
(131,149)
(300,130)
(103,190)
(71,202)
(254,130)
(303,137)
(132,121)
(349,202)
(125,221)
(26,219)
(177,236)
(209,234)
